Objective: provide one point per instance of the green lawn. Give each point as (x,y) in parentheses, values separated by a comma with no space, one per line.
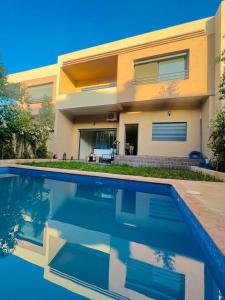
(127,170)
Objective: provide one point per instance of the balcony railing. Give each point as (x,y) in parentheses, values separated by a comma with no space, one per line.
(98,87)
(163,77)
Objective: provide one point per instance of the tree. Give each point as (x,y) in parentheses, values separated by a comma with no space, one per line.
(3,82)
(21,134)
(222,80)
(11,91)
(42,128)
(15,124)
(33,203)
(217,140)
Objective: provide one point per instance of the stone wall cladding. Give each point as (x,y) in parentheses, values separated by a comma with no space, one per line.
(155,161)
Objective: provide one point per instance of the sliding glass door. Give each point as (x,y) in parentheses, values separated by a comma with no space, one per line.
(91,139)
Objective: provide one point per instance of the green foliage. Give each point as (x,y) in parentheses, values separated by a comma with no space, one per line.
(3,82)
(21,134)
(217,140)
(46,120)
(42,151)
(15,91)
(12,91)
(33,202)
(222,81)
(127,170)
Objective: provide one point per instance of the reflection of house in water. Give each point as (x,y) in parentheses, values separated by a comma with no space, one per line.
(102,243)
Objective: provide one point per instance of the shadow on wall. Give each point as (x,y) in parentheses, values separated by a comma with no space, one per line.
(170,90)
(130,92)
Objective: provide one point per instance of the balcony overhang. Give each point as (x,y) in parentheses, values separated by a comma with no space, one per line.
(164,103)
(92,101)
(93,70)
(90,111)
(84,107)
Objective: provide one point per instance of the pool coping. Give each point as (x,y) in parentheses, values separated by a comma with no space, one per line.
(210,221)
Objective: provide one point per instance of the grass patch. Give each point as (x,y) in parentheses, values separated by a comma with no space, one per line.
(171,173)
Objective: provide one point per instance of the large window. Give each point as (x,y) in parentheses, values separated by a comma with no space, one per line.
(167,68)
(40,92)
(173,131)
(91,139)
(153,281)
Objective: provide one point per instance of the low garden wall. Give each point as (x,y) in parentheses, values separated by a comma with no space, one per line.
(155,161)
(219,175)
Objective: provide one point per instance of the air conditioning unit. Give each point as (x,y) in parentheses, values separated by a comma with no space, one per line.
(112,116)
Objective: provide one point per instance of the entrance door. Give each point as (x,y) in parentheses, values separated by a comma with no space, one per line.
(131,139)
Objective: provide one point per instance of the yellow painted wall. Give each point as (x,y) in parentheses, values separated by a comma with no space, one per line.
(64,136)
(50,70)
(85,99)
(206,117)
(219,22)
(66,84)
(148,147)
(36,77)
(196,84)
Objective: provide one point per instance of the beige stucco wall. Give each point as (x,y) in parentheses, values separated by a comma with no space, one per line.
(148,147)
(207,115)
(196,84)
(91,98)
(67,135)
(50,70)
(64,139)
(67,132)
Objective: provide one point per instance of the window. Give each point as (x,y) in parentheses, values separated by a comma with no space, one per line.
(153,281)
(163,207)
(176,131)
(40,92)
(167,68)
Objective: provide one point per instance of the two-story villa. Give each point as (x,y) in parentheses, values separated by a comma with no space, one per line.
(155,93)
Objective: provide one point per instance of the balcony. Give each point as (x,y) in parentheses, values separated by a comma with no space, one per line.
(86,99)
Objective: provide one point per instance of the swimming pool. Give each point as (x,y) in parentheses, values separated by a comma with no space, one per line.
(66,236)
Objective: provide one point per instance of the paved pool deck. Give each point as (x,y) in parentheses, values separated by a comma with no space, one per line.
(206,200)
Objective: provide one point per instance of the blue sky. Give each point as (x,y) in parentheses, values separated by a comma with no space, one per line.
(33,33)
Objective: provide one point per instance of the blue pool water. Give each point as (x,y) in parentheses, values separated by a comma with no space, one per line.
(80,237)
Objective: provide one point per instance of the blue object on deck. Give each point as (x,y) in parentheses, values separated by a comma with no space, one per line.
(195,155)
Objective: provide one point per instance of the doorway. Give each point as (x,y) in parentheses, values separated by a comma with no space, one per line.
(131,139)
(91,139)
